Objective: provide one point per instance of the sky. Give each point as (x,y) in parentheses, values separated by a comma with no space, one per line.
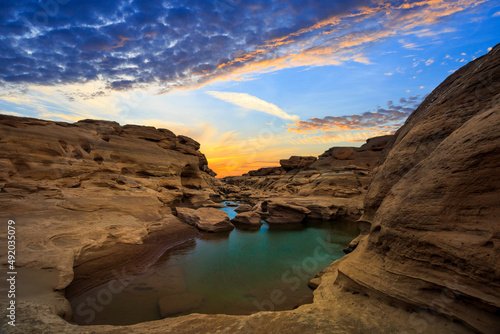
(253,81)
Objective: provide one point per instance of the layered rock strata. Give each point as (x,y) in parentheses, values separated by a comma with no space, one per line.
(433,207)
(206,219)
(83,195)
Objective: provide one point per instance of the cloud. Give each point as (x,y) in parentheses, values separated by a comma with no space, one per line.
(382,120)
(389,74)
(136,43)
(430,33)
(253,103)
(410,45)
(343,137)
(497,14)
(11,113)
(429,62)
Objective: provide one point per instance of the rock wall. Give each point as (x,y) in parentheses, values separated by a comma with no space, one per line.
(433,207)
(76,191)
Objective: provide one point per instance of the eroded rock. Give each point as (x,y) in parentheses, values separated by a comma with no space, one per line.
(282,213)
(433,206)
(206,219)
(247,220)
(295,162)
(243,208)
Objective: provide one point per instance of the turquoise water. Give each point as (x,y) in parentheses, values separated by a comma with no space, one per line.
(240,272)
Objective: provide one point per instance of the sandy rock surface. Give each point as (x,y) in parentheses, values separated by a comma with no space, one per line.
(247,220)
(434,205)
(206,219)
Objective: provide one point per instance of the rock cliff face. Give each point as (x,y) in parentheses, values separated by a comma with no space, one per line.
(433,207)
(75,190)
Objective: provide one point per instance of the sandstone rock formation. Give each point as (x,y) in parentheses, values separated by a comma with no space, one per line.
(433,206)
(247,220)
(295,210)
(280,213)
(206,219)
(85,194)
(243,208)
(46,157)
(296,162)
(342,172)
(427,261)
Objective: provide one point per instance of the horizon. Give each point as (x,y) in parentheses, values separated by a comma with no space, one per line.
(252,82)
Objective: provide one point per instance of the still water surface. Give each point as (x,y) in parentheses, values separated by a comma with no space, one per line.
(240,272)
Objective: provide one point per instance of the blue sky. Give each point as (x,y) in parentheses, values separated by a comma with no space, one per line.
(253,81)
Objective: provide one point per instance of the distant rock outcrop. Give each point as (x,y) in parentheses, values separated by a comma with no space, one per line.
(336,181)
(296,162)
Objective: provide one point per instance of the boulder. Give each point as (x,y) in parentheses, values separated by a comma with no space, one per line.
(261,208)
(243,208)
(314,283)
(295,162)
(376,143)
(177,304)
(339,153)
(206,219)
(282,213)
(267,171)
(247,220)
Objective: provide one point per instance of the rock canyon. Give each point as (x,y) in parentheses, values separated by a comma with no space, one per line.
(94,195)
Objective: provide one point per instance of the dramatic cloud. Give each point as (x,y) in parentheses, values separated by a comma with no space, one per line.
(380,121)
(253,103)
(133,43)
